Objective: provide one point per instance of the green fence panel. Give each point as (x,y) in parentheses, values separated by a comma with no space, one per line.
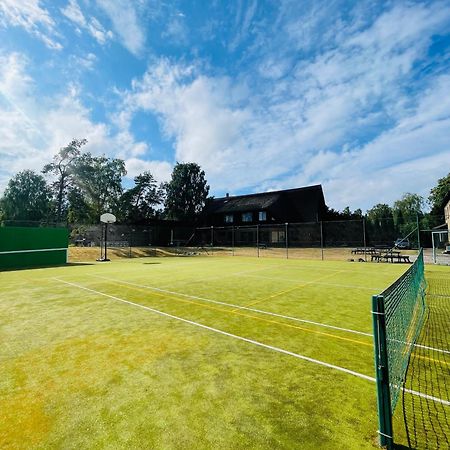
(32,247)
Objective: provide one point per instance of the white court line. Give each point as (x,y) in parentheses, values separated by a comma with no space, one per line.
(259,311)
(33,250)
(217,302)
(250,341)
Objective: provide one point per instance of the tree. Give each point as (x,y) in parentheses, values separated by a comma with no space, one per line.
(62,167)
(380,224)
(186,193)
(379,212)
(139,202)
(406,211)
(27,197)
(78,209)
(100,181)
(346,212)
(437,195)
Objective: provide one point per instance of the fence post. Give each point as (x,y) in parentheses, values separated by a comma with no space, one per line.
(257,239)
(286,236)
(418,231)
(434,249)
(364,237)
(382,375)
(321,238)
(212,238)
(232,240)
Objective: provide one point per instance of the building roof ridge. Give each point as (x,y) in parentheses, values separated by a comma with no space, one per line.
(280,191)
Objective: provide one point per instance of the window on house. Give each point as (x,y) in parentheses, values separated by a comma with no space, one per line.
(228,218)
(262,216)
(247,217)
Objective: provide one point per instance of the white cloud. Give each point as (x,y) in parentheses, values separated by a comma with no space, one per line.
(33,128)
(73,12)
(161,170)
(125,20)
(29,15)
(321,124)
(176,30)
(243,20)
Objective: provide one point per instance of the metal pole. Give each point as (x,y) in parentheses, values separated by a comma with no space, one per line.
(287,245)
(232,240)
(364,237)
(321,238)
(212,238)
(106,237)
(129,245)
(418,232)
(257,239)
(382,374)
(434,249)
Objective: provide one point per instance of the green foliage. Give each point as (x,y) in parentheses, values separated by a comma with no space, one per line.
(27,197)
(78,210)
(379,212)
(62,167)
(406,211)
(186,193)
(139,203)
(437,195)
(100,180)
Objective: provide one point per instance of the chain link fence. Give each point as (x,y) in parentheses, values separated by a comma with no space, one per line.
(357,239)
(326,240)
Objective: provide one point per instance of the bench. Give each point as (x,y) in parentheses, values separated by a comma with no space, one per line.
(392,256)
(363,250)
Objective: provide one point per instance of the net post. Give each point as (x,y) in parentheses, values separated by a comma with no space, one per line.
(382,373)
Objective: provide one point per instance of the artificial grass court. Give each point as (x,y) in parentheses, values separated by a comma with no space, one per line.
(200,352)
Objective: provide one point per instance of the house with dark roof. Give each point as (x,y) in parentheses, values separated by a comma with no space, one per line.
(306,204)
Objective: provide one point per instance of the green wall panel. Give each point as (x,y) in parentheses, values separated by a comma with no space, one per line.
(25,238)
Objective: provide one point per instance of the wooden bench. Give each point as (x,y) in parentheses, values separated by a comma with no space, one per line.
(390,256)
(363,250)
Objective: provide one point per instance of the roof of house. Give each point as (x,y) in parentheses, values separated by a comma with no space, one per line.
(244,202)
(261,201)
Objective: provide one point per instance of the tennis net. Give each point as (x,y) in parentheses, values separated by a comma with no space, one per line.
(398,315)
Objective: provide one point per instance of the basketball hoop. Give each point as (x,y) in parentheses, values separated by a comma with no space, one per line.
(106,218)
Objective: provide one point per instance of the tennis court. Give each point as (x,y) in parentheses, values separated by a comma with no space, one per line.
(199,352)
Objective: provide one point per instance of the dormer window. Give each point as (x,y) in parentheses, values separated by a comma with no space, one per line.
(247,217)
(228,218)
(262,216)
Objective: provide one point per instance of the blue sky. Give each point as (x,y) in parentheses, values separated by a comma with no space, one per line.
(262,94)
